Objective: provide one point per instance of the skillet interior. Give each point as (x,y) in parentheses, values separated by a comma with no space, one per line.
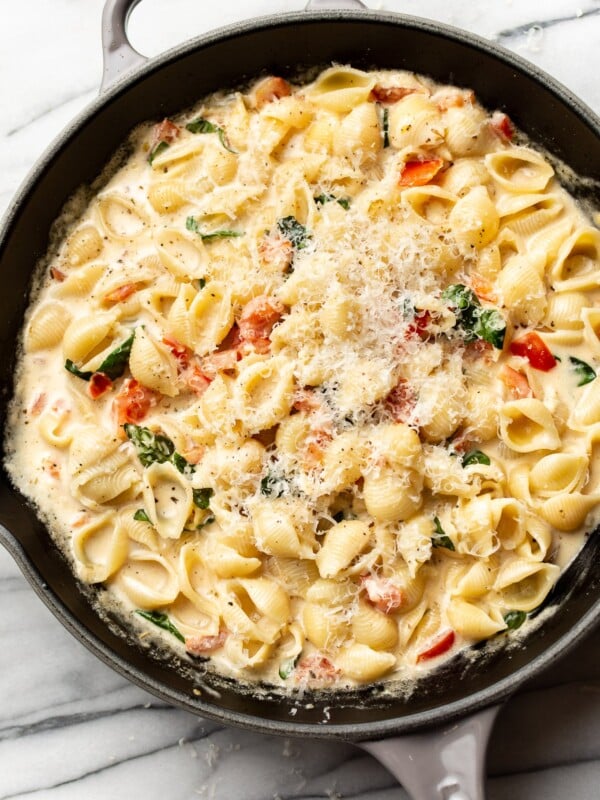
(171,83)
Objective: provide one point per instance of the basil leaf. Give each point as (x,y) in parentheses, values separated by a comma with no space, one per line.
(476,322)
(161,621)
(514,619)
(157,150)
(202,497)
(115,363)
(182,465)
(584,372)
(272,485)
(385,125)
(192,225)
(202,125)
(141,516)
(321,199)
(287,667)
(113,366)
(460,297)
(70,367)
(440,538)
(151,447)
(490,326)
(293,230)
(475,457)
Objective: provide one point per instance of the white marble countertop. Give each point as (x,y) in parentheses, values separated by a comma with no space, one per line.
(71,728)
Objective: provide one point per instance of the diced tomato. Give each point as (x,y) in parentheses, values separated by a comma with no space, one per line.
(165,131)
(316,443)
(38,404)
(276,251)
(220,361)
(390,94)
(133,402)
(98,385)
(258,317)
(316,667)
(180,351)
(515,382)
(483,288)
(502,126)
(196,379)
(233,339)
(120,293)
(453,98)
(272,88)
(57,275)
(419,173)
(401,401)
(50,467)
(534,349)
(440,646)
(307,400)
(418,326)
(383,593)
(199,645)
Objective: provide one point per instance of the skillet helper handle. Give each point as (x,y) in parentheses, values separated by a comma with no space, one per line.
(315,5)
(118,54)
(444,764)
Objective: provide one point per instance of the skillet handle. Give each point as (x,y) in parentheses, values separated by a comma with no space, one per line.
(118,54)
(315,5)
(443,764)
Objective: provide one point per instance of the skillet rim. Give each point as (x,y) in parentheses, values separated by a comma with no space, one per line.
(442,713)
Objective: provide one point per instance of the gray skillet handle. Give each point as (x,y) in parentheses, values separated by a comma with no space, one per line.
(118,54)
(444,764)
(315,5)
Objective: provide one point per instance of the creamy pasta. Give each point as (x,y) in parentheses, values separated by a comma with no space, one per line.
(311,383)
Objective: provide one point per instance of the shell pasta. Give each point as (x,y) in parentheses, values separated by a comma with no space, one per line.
(309,387)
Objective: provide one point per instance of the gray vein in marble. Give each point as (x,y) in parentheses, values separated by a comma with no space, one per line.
(60,102)
(522,30)
(100,770)
(58,722)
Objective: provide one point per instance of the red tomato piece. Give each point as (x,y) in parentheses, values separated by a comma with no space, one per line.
(258,318)
(98,385)
(453,98)
(515,382)
(133,401)
(389,94)
(307,400)
(483,288)
(57,274)
(440,646)
(276,251)
(120,293)
(197,380)
(198,645)
(38,404)
(401,401)
(383,593)
(418,326)
(316,667)
(502,126)
(272,88)
(180,351)
(534,349)
(219,361)
(419,173)
(165,131)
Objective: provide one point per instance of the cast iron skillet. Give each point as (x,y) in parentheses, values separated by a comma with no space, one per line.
(282,44)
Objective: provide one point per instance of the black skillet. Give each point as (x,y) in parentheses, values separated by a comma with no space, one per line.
(433,740)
